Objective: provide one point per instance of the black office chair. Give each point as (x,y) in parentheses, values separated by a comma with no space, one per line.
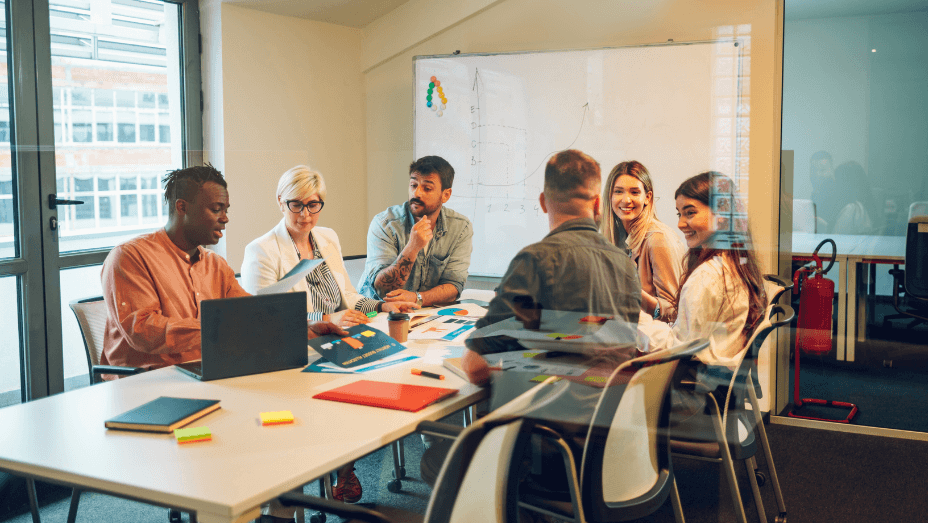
(912,282)
(727,419)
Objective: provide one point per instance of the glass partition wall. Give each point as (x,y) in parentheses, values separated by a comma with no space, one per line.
(855,141)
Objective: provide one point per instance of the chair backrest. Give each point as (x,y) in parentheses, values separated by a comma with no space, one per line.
(803,216)
(625,471)
(916,258)
(918,209)
(473,484)
(626,462)
(91,317)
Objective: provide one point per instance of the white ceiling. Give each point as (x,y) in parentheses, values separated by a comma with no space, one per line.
(350,13)
(800,9)
(359,13)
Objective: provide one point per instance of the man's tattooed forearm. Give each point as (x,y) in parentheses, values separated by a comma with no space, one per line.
(394,276)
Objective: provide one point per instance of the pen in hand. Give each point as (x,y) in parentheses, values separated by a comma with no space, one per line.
(427,374)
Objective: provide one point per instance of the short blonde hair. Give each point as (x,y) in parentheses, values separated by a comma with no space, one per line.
(299,183)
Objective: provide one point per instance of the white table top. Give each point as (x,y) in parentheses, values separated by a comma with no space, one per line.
(62,438)
(890,248)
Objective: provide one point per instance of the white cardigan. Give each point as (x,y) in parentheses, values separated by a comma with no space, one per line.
(713,304)
(270,257)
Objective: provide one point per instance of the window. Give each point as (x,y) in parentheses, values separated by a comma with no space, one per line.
(126,132)
(105,131)
(164,133)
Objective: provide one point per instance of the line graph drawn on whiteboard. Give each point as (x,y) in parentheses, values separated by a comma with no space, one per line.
(508,113)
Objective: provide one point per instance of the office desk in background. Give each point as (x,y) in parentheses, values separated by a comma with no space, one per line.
(62,439)
(853,253)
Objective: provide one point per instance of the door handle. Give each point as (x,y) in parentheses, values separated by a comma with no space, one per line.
(54,202)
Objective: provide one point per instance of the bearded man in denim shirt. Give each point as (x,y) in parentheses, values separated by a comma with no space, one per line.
(419,251)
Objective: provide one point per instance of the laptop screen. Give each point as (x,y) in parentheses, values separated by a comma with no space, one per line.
(253,334)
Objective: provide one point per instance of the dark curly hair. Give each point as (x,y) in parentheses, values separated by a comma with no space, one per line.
(184,184)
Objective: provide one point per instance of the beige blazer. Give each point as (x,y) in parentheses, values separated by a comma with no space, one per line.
(270,257)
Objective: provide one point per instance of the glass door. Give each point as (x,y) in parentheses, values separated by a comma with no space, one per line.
(97,119)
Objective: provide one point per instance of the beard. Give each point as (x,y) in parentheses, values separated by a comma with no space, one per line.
(422,209)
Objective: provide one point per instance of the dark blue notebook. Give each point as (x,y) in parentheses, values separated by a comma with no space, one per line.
(163,414)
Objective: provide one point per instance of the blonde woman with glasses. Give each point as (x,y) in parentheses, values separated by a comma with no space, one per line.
(655,247)
(330,296)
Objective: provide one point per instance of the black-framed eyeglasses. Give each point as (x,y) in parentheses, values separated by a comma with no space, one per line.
(296,206)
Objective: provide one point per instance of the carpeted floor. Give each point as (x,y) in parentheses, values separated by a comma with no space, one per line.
(827,477)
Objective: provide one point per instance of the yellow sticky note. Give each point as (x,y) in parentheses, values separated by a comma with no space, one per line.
(193,434)
(276,418)
(369,334)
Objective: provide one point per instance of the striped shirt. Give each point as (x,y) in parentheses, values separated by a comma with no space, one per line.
(324,293)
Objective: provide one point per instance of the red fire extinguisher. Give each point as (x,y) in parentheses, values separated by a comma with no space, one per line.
(813,328)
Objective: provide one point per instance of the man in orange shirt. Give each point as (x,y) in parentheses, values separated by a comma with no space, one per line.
(153,284)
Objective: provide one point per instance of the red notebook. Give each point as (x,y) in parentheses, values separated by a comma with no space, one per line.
(395,396)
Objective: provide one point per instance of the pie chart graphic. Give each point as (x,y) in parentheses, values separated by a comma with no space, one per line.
(452,312)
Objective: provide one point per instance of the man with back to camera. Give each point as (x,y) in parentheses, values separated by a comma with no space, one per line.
(419,251)
(574,268)
(153,284)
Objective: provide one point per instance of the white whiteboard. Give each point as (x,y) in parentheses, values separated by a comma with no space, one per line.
(676,108)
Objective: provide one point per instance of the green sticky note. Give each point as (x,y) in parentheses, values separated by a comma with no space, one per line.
(371,314)
(542,377)
(597,379)
(557,335)
(530,354)
(191,434)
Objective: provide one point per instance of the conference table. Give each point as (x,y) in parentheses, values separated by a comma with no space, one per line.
(854,253)
(62,439)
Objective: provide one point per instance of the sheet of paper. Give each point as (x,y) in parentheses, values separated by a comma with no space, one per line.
(326,367)
(289,280)
(525,361)
(444,327)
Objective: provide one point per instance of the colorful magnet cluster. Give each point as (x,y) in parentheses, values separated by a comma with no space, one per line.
(435,97)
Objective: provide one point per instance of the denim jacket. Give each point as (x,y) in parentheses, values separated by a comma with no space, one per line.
(447,261)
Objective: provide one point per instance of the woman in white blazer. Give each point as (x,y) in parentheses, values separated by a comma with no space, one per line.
(330,296)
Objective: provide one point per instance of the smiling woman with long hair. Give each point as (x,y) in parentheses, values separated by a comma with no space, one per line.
(655,247)
(721,294)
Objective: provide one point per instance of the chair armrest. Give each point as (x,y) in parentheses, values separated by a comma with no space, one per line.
(343,510)
(780,281)
(115,369)
(442,430)
(788,315)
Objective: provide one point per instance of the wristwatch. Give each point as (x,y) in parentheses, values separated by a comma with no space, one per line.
(418,299)
(657,311)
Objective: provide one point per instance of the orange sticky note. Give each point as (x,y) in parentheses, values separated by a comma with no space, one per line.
(353,342)
(280,417)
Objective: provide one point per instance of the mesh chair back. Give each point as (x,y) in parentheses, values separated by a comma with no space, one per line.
(473,484)
(91,317)
(916,258)
(626,472)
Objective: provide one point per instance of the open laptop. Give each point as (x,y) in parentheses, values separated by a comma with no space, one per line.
(250,335)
